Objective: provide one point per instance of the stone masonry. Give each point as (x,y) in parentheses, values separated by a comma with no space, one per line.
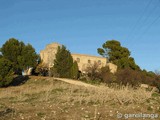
(48,55)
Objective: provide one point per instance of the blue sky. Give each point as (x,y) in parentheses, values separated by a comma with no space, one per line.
(84,25)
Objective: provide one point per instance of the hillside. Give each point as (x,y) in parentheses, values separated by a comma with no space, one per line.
(44,98)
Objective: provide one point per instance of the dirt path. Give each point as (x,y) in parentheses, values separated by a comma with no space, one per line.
(70,81)
(76,82)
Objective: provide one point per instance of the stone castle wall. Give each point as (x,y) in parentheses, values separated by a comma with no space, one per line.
(48,55)
(84,60)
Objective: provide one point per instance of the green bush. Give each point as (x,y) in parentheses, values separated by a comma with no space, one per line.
(6,72)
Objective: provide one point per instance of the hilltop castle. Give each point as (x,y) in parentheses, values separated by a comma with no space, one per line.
(48,56)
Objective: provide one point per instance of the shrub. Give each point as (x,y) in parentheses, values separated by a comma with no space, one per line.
(99,74)
(6,72)
(93,71)
(53,72)
(156,82)
(158,86)
(106,75)
(42,69)
(75,71)
(137,77)
(128,76)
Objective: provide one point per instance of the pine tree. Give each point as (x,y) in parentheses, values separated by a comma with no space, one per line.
(117,54)
(75,71)
(63,62)
(6,72)
(20,55)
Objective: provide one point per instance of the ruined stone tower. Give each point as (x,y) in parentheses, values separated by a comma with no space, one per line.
(48,54)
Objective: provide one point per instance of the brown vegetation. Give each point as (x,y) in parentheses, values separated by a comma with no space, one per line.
(46,99)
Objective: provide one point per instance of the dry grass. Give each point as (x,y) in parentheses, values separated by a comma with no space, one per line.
(49,92)
(76,94)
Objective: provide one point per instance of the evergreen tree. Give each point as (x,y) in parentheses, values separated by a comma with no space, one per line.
(75,71)
(11,50)
(117,54)
(6,72)
(63,62)
(21,56)
(28,57)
